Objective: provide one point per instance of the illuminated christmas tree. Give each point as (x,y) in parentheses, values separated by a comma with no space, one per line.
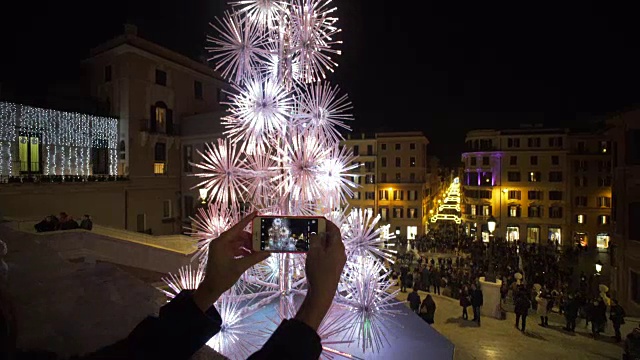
(282,157)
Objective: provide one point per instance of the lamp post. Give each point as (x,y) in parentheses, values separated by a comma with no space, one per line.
(203,195)
(490,276)
(598,267)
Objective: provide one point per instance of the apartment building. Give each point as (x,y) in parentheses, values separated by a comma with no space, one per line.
(531,181)
(392,179)
(624,134)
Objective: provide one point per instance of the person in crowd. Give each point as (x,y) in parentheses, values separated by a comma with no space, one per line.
(598,316)
(404,271)
(542,310)
(465,301)
(49,223)
(428,309)
(632,345)
(522,306)
(414,300)
(476,302)
(616,315)
(425,278)
(67,222)
(436,280)
(86,222)
(186,323)
(571,308)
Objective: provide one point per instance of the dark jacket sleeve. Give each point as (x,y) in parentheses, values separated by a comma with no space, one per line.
(178,332)
(293,339)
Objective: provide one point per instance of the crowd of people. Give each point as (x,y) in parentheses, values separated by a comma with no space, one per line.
(536,279)
(63,221)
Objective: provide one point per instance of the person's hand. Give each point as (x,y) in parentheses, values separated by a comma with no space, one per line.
(224,264)
(325,261)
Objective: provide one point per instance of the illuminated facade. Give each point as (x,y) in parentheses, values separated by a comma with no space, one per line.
(532,182)
(393,179)
(625,246)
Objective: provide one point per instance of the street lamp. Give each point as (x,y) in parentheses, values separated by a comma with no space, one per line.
(598,267)
(203,195)
(490,276)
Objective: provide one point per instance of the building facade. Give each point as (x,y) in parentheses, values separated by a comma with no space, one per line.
(149,91)
(625,248)
(392,179)
(525,178)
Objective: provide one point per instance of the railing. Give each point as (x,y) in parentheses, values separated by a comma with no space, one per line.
(39,178)
(170,129)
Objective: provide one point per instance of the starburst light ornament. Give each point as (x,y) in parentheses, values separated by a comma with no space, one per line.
(365,238)
(334,174)
(265,13)
(210,222)
(369,303)
(186,279)
(224,172)
(323,111)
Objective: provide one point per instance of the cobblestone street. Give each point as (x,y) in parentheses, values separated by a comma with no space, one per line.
(499,339)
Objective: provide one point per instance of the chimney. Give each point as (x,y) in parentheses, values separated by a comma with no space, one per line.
(130,29)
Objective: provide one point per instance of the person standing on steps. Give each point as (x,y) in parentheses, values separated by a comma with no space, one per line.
(476,302)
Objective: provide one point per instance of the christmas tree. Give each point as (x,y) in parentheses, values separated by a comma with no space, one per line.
(282,157)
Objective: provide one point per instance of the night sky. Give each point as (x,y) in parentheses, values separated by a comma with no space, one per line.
(442,67)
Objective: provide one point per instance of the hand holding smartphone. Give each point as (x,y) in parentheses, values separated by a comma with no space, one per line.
(286,234)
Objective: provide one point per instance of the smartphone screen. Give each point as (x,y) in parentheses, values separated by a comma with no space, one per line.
(286,234)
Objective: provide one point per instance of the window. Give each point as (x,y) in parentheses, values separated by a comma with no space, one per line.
(383,161)
(412,146)
(370,179)
(369,195)
(161,77)
(604,165)
(166,209)
(473,161)
(107,73)
(413,213)
(383,177)
(603,201)
(383,194)
(533,160)
(514,195)
(473,210)
(369,149)
(514,211)
(398,177)
(513,142)
(555,195)
(412,177)
(534,176)
(398,162)
(485,160)
(159,165)
(555,176)
(634,213)
(356,195)
(29,153)
(356,150)
(412,231)
(555,212)
(602,241)
(412,161)
(486,210)
(100,157)
(513,160)
(555,160)
(604,181)
(555,141)
(383,146)
(513,176)
(580,181)
(398,195)
(398,147)
(533,142)
(197,90)
(484,194)
(398,212)
(580,165)
(555,234)
(534,211)
(634,286)
(580,201)
(534,195)
(603,219)
(487,179)
(513,233)
(581,219)
(384,213)
(604,147)
(187,157)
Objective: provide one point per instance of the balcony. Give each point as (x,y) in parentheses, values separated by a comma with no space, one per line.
(30,173)
(170,129)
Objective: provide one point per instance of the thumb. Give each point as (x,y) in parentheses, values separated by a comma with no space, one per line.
(249,260)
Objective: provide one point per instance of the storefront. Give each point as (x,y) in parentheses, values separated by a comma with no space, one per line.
(555,235)
(513,233)
(533,234)
(602,241)
(581,238)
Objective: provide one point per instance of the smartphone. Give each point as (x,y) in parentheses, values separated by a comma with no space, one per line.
(286,233)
